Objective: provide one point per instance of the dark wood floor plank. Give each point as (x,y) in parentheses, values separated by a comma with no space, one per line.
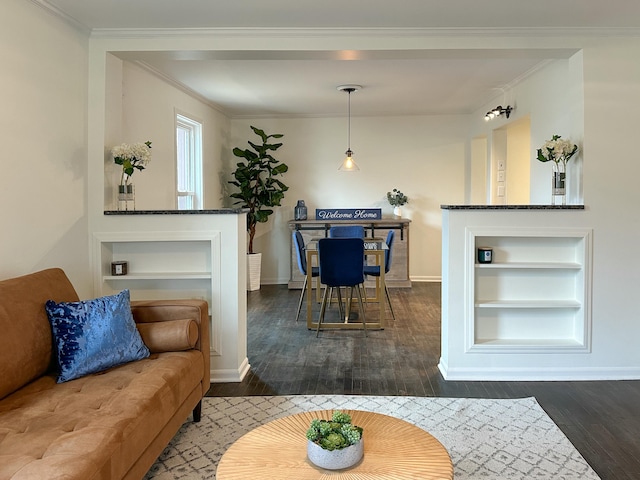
(602,419)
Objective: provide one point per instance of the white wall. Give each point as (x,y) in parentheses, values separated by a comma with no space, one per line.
(478,181)
(44,147)
(519,161)
(420,155)
(553,99)
(612,196)
(148,106)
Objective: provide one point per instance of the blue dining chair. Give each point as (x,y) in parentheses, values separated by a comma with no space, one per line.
(341,265)
(374,270)
(301,254)
(346,231)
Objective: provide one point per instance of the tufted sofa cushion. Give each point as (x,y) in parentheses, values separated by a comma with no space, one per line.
(25,342)
(94,427)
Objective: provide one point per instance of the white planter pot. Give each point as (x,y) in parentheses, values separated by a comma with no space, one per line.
(397,211)
(254,265)
(335,459)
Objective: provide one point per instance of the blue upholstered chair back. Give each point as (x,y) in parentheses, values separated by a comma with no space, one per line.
(341,261)
(298,241)
(387,254)
(374,270)
(346,231)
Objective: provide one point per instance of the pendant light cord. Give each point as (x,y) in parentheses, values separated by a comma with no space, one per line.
(349,123)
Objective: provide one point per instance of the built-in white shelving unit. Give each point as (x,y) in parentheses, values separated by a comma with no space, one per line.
(162,265)
(534,297)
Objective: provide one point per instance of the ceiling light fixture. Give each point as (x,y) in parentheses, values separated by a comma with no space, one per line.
(496,112)
(348,164)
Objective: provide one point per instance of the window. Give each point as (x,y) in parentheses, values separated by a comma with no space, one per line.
(189,163)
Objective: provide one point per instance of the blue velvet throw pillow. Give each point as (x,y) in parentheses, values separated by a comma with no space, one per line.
(94,335)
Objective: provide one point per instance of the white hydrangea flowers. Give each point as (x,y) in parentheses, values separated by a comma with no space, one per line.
(557,150)
(131,157)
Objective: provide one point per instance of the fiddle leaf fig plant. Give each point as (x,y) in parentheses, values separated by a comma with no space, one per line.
(255,178)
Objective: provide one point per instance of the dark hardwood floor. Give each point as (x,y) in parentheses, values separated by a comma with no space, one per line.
(602,419)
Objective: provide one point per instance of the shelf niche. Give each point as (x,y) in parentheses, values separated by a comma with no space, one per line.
(534,297)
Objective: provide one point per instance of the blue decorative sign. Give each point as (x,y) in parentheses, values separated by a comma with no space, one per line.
(334,214)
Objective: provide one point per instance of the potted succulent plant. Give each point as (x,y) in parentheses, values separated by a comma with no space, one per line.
(334,444)
(396,199)
(259,190)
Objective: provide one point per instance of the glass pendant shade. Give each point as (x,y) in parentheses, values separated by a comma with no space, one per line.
(349,164)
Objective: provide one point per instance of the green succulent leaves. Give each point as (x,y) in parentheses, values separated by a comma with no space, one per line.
(334,434)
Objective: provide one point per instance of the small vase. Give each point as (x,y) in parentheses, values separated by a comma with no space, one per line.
(126,197)
(558,184)
(397,211)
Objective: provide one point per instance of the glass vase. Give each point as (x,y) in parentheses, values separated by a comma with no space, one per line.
(558,184)
(126,197)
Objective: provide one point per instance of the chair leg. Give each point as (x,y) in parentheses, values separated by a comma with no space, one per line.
(348,291)
(364,322)
(340,306)
(386,289)
(304,288)
(322,309)
(364,293)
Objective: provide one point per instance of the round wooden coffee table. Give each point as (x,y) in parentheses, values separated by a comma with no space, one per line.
(393,449)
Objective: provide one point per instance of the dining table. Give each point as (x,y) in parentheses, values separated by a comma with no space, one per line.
(374,248)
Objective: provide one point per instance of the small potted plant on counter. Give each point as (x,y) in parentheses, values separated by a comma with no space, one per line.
(334,444)
(396,200)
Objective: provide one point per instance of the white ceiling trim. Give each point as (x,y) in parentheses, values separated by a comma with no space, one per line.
(44,4)
(362,32)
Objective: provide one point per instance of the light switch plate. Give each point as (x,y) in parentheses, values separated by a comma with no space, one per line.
(500,165)
(501,176)
(501,191)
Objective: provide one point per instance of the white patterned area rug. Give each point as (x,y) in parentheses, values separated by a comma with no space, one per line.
(486,438)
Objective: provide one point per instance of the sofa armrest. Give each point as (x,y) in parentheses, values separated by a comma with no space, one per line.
(147,311)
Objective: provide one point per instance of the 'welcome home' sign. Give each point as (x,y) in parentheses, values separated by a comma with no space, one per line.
(334,214)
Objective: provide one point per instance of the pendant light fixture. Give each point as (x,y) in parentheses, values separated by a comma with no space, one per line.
(348,164)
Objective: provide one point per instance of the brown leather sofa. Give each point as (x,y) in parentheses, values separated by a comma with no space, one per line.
(108,425)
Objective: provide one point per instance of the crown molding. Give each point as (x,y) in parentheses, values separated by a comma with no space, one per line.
(362,32)
(343,31)
(44,4)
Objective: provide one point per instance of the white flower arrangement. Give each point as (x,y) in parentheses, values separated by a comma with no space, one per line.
(131,157)
(557,150)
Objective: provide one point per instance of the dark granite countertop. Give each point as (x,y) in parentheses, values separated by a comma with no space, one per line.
(220,211)
(512,207)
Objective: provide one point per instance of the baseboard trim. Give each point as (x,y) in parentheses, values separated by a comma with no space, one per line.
(229,375)
(424,279)
(537,374)
(280,281)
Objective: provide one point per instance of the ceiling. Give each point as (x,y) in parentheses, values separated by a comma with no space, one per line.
(396,82)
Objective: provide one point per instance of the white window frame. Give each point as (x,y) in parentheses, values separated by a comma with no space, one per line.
(188,141)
